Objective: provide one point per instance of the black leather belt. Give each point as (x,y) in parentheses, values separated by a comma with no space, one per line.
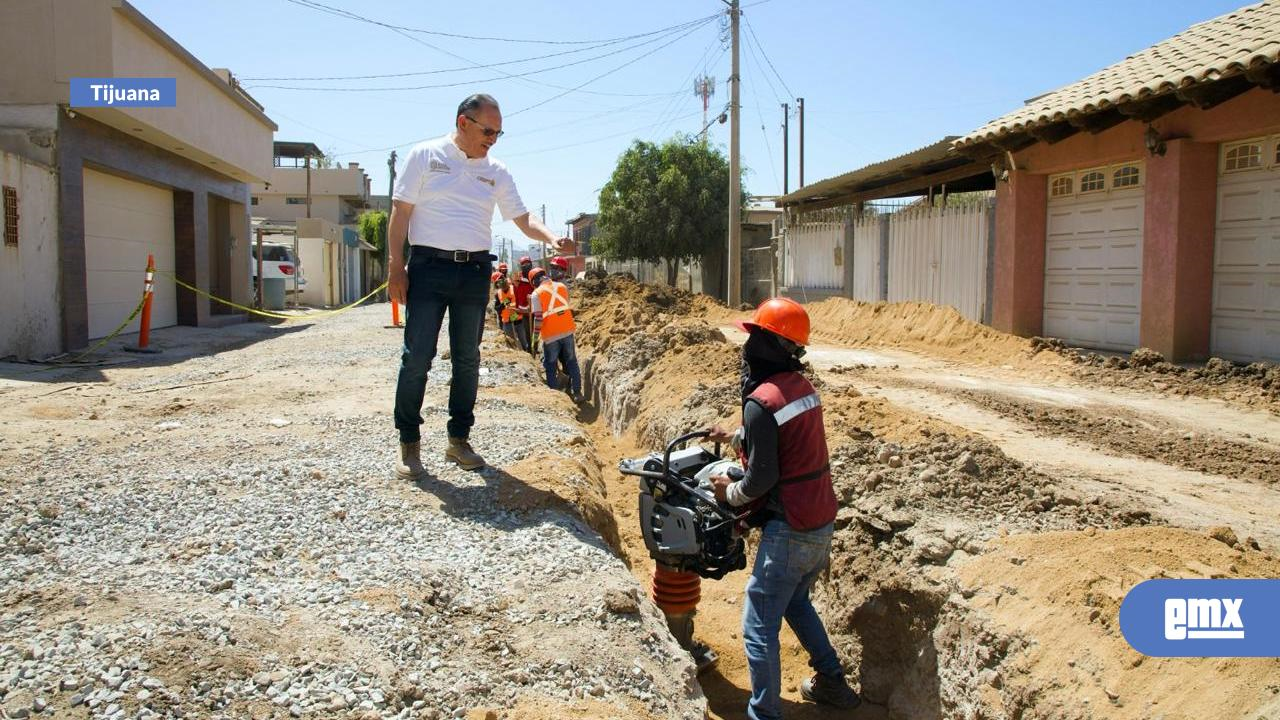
(458,256)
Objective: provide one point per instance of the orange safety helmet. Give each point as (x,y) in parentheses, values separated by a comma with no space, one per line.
(502,268)
(536,273)
(560,263)
(781,316)
(525,260)
(495,277)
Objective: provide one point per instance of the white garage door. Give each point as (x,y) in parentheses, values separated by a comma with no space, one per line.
(123,222)
(1093,257)
(1246,267)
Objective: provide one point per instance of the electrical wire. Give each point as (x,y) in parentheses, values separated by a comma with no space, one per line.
(752,32)
(589,142)
(321,7)
(504,76)
(607,73)
(673,104)
(751,53)
(760,116)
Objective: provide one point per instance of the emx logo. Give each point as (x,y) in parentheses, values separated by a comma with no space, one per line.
(1203,618)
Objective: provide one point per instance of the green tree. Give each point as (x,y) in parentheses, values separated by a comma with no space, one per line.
(667,202)
(373,228)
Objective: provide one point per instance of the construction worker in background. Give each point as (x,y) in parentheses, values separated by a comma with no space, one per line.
(502,268)
(783,444)
(523,323)
(551,299)
(504,299)
(559,270)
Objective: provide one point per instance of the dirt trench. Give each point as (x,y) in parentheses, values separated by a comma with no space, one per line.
(919,600)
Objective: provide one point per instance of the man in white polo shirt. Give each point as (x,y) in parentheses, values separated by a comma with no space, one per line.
(444,199)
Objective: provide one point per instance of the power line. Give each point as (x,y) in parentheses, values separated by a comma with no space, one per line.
(751,52)
(767,146)
(766,56)
(593,140)
(632,61)
(504,76)
(321,7)
(380,76)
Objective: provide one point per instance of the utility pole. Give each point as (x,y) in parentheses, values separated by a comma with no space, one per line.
(544,213)
(786,149)
(800,104)
(734,264)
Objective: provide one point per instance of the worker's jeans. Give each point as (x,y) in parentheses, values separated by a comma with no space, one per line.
(787,563)
(564,351)
(434,287)
(521,326)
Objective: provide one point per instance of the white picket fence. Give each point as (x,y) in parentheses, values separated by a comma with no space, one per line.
(866,259)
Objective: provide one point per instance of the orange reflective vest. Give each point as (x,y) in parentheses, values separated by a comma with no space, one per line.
(557,318)
(508,299)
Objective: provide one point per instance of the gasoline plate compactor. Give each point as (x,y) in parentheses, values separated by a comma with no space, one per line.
(688,533)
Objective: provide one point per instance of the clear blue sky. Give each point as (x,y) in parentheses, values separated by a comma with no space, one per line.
(878,78)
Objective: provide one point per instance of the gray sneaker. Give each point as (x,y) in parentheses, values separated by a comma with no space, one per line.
(827,690)
(460,452)
(410,465)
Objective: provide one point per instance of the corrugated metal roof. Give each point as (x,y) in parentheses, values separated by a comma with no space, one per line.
(1210,51)
(932,153)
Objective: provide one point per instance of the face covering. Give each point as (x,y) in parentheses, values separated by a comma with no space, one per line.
(764,356)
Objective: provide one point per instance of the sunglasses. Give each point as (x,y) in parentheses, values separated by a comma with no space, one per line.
(488,131)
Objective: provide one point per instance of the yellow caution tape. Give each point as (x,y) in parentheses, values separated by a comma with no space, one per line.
(264,313)
(137,309)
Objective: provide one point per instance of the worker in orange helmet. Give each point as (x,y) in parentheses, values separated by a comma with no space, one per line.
(504,303)
(550,300)
(783,444)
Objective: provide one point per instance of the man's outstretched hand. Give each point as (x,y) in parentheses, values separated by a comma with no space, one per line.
(565,246)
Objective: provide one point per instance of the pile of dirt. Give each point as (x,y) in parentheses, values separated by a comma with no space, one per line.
(935,329)
(1256,383)
(1073,662)
(612,308)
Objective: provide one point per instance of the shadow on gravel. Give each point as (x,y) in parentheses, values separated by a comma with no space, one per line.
(176,344)
(523,505)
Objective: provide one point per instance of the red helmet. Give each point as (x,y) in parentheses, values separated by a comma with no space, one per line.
(560,263)
(781,316)
(526,260)
(502,268)
(536,274)
(495,277)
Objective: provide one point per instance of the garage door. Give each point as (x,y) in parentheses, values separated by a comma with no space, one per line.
(1246,268)
(1093,257)
(123,222)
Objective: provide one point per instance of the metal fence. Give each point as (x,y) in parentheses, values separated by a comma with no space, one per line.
(906,249)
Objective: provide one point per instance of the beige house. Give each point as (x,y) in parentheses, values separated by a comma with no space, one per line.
(93,191)
(295,188)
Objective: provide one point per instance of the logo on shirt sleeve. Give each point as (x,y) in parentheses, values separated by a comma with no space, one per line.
(438,166)
(484,179)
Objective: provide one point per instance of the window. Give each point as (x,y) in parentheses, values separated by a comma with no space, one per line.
(253,200)
(1126,176)
(1060,186)
(1244,156)
(1092,181)
(1278,152)
(10,216)
(295,200)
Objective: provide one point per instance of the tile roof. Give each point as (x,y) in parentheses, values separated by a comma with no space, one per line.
(1210,51)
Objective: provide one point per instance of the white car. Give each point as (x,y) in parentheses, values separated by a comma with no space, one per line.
(278,263)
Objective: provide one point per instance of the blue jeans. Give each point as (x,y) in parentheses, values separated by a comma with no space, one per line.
(563,350)
(434,287)
(787,563)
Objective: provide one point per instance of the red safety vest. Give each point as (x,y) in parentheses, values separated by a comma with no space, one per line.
(804,469)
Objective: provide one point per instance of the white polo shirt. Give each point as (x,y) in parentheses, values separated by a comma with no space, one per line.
(454,196)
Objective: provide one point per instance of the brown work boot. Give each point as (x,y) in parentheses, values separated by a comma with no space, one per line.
(410,465)
(460,452)
(833,691)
